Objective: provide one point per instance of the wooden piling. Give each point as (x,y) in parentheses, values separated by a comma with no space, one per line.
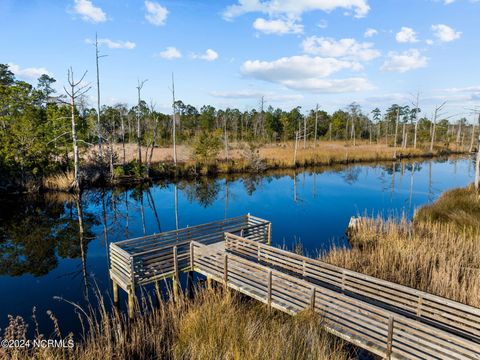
(115,292)
(209,283)
(131,303)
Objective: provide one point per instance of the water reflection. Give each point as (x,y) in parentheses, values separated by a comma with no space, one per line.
(35,233)
(57,245)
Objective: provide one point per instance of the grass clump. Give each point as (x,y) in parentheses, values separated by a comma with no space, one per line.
(214,325)
(458,206)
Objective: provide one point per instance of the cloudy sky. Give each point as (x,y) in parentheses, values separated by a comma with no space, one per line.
(232,52)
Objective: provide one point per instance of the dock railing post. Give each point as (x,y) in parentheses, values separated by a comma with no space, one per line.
(225,271)
(389,337)
(269,234)
(312,299)
(131,290)
(176,280)
(269,289)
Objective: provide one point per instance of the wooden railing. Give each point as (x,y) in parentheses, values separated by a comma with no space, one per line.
(376,329)
(444,313)
(148,259)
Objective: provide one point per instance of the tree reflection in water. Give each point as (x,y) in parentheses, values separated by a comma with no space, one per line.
(36,231)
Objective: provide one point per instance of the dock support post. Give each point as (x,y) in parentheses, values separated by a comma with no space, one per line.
(176,276)
(209,283)
(131,303)
(115,293)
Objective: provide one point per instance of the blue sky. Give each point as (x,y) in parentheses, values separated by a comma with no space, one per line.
(231,52)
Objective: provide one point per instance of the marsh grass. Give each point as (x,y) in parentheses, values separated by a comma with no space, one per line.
(214,325)
(58,182)
(438,253)
(460,207)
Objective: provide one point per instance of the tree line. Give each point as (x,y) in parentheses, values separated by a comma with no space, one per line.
(43,132)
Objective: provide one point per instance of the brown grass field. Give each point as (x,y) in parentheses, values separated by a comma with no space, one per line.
(326,152)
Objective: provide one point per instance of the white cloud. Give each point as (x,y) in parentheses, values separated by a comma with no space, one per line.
(89,12)
(464,89)
(111,44)
(294,8)
(156,13)
(209,55)
(343,48)
(370,32)
(278,26)
(445,33)
(170,53)
(405,61)
(30,73)
(406,35)
(249,94)
(306,73)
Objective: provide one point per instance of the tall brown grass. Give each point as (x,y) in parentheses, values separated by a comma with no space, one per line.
(58,182)
(215,325)
(439,252)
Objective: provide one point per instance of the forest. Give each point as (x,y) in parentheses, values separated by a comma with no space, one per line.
(45,133)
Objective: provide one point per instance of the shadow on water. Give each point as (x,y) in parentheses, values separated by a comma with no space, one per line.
(56,245)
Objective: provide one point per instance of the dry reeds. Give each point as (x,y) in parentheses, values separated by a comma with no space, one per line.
(58,182)
(436,257)
(215,325)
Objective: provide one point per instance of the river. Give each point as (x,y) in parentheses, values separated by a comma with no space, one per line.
(42,257)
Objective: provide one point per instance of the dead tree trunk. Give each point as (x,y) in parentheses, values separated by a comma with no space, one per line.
(174,125)
(139,129)
(316,126)
(434,125)
(416,122)
(396,133)
(477,167)
(76,90)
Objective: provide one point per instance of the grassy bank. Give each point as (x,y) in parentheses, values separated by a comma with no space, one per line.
(242,158)
(213,326)
(439,252)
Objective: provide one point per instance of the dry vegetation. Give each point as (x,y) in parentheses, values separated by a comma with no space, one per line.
(439,252)
(213,326)
(326,152)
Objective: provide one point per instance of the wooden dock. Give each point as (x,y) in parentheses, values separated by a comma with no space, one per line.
(390,320)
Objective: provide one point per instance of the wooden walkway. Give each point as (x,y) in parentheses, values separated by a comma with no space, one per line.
(388,319)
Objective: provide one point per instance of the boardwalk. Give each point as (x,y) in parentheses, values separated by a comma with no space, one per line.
(387,319)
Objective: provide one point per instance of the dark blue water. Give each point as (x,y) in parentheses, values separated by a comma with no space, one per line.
(42,256)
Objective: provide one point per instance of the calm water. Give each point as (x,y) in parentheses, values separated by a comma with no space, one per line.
(42,257)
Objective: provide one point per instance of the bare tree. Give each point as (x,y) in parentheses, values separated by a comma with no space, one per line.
(472,140)
(75,91)
(139,129)
(174,120)
(396,132)
(153,141)
(316,126)
(99,131)
(416,120)
(434,125)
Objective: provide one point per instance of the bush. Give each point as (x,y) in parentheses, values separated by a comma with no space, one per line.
(207,146)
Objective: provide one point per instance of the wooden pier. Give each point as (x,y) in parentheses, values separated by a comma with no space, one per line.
(387,319)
